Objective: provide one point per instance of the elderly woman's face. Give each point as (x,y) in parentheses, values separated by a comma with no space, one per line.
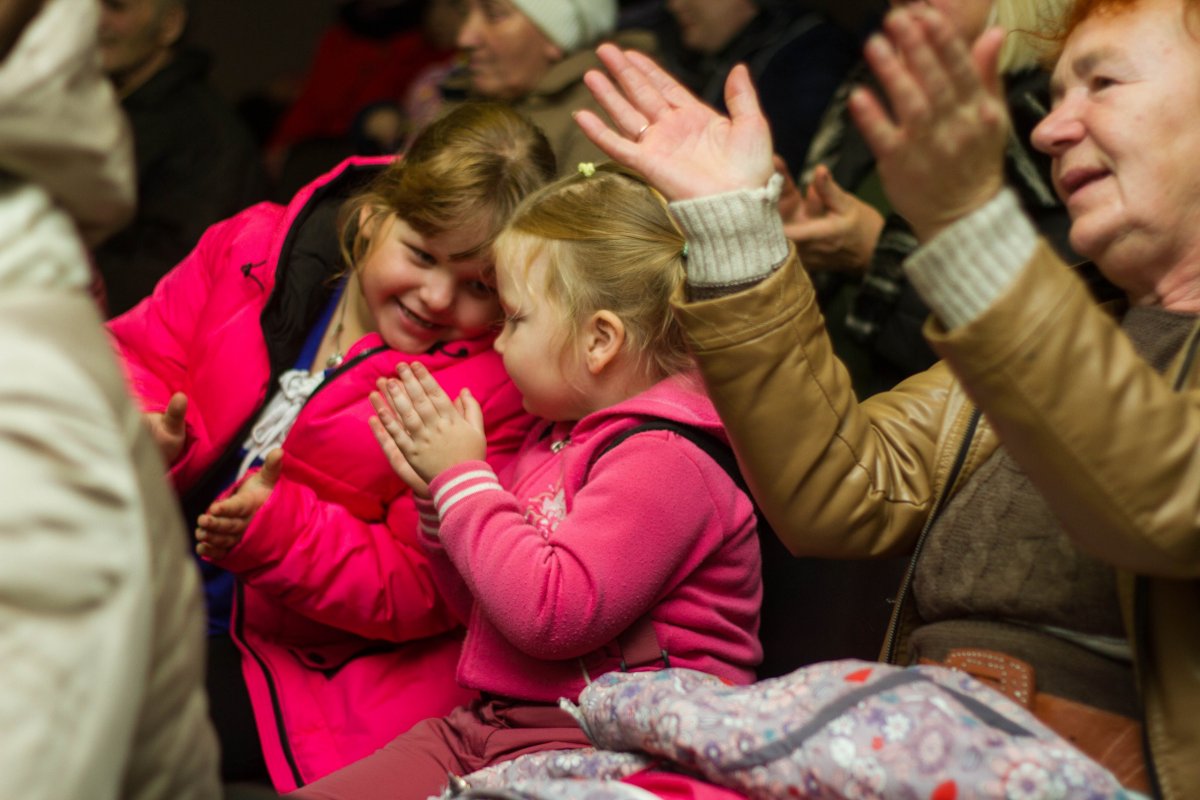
(1124,136)
(507,54)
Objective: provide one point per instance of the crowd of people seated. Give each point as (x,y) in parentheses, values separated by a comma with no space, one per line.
(664,399)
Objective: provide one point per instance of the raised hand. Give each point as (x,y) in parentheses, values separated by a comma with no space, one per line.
(168,427)
(683,147)
(222,527)
(832,229)
(940,153)
(431,432)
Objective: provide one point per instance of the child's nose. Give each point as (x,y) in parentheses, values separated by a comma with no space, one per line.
(439,293)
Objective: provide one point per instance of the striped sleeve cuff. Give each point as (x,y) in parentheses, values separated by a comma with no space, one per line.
(968,266)
(427,516)
(471,478)
(733,238)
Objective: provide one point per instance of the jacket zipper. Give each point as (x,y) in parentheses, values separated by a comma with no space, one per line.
(239,619)
(889,642)
(236,631)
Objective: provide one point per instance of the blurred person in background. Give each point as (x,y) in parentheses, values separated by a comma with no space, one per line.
(101,638)
(796,58)
(533,54)
(196,162)
(853,244)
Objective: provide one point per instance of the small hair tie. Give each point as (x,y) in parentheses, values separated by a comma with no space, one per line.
(587,169)
(684,251)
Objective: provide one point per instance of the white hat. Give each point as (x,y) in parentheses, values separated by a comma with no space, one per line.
(571,24)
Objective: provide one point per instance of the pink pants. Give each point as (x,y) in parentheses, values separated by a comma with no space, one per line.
(414,764)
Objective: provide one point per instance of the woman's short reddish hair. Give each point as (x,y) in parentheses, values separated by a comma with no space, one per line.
(1081,10)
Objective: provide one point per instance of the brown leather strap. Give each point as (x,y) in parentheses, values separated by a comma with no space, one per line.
(1111,740)
(1007,674)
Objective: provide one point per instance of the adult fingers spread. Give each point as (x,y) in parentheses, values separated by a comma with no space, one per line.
(630,72)
(611,143)
(882,135)
(629,120)
(674,93)
(906,97)
(907,30)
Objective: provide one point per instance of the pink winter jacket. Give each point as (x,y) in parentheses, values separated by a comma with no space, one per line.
(589,555)
(346,640)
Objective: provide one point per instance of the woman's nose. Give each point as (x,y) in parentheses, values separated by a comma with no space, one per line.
(1059,129)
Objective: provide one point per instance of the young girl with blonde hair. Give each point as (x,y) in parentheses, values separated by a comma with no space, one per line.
(590,552)
(265,344)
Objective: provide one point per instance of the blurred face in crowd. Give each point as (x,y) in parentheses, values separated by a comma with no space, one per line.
(969,17)
(136,37)
(1123,135)
(507,54)
(707,26)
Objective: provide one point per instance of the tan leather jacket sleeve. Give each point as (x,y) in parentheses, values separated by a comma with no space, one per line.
(835,478)
(1108,441)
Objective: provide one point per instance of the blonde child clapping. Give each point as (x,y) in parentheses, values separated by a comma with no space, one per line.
(581,557)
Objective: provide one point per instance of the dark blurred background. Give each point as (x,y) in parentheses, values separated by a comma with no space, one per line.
(262,45)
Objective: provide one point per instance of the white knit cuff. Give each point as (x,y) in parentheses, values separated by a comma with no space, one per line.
(466,483)
(733,237)
(968,266)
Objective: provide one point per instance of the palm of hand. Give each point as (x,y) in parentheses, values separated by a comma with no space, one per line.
(684,148)
(939,148)
(952,156)
(717,154)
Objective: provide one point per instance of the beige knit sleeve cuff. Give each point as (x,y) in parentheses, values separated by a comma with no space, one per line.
(968,266)
(734,238)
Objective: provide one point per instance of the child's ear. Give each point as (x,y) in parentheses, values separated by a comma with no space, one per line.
(365,225)
(603,338)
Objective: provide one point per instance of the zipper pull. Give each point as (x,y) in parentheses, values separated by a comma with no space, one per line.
(555,447)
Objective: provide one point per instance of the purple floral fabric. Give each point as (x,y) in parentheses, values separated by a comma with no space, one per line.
(844,729)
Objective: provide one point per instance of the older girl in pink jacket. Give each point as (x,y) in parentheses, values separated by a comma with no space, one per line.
(582,556)
(263,342)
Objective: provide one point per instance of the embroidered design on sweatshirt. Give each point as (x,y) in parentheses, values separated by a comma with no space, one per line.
(546,510)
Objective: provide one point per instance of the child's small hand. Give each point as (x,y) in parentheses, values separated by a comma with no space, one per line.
(168,427)
(386,427)
(224,524)
(433,433)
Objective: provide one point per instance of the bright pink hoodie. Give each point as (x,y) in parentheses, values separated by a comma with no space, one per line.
(346,641)
(568,565)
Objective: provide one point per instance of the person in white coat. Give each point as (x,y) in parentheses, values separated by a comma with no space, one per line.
(101,628)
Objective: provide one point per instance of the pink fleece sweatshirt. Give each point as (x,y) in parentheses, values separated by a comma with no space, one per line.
(563,559)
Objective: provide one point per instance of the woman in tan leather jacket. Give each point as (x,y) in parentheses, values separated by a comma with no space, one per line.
(1046,472)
